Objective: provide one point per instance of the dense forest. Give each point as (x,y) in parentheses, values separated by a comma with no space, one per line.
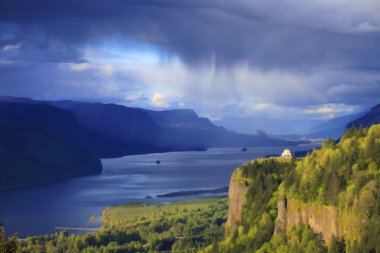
(341,178)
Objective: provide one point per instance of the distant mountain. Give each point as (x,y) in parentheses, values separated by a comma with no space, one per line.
(173,129)
(333,128)
(185,126)
(370,118)
(24,100)
(278,126)
(180,118)
(218,137)
(40,115)
(32,155)
(125,130)
(65,123)
(291,128)
(124,123)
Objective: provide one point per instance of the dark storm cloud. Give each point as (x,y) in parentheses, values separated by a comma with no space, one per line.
(226,32)
(325,55)
(355,93)
(22,50)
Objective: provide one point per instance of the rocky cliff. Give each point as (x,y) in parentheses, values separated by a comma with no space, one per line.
(327,201)
(329,221)
(235,200)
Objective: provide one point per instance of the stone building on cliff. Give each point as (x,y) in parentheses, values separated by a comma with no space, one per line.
(287,153)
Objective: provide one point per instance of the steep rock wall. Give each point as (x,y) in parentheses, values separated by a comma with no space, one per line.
(235,200)
(329,221)
(281,215)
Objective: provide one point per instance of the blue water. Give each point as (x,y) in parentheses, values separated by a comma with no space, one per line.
(36,210)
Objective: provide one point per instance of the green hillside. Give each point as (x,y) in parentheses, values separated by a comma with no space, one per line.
(326,202)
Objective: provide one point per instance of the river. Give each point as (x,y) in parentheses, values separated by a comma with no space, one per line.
(37,210)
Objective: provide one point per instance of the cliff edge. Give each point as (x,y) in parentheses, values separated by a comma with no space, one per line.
(235,200)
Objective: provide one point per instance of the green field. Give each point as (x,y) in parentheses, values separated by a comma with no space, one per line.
(134,213)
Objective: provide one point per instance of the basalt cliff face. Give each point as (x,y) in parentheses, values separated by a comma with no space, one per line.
(235,200)
(329,221)
(328,201)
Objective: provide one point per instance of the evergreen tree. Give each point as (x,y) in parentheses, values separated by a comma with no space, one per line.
(7,246)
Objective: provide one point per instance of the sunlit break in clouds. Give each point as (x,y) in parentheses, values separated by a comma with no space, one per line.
(312,60)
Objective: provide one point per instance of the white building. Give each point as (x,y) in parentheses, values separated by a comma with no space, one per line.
(287,153)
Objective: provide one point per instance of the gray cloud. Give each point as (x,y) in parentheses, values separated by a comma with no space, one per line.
(256,56)
(267,35)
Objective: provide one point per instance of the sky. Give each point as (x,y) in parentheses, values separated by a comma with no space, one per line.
(293,59)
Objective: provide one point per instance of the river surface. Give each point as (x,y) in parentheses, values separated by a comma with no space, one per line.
(37,210)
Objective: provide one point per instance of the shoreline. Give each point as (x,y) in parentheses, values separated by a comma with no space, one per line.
(193,192)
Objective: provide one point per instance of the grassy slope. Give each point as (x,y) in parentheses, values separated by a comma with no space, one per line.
(130,213)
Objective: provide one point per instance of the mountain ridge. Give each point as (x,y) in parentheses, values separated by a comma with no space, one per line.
(368,119)
(31,155)
(169,129)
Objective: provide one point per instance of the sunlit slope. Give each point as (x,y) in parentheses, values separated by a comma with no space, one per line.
(329,200)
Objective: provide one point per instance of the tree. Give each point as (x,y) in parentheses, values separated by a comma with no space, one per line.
(7,246)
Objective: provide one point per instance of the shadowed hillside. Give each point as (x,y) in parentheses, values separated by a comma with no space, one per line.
(32,155)
(65,123)
(368,119)
(173,129)
(134,130)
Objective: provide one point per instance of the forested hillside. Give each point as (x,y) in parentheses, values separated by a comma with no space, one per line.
(66,124)
(33,155)
(328,201)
